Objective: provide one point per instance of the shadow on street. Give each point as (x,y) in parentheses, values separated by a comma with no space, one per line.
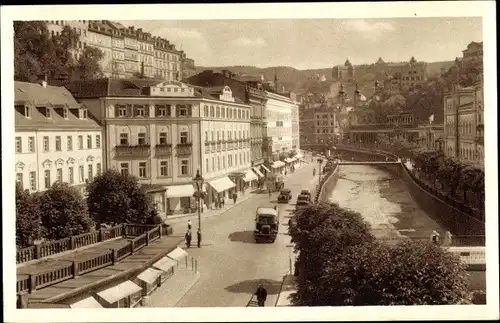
(242,236)
(250,286)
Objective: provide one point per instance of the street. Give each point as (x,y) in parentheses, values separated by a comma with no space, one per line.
(233,266)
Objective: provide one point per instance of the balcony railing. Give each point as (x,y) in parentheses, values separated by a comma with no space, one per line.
(184,149)
(164,150)
(133,150)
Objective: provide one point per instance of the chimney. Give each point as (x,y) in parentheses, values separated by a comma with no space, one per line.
(142,69)
(43,79)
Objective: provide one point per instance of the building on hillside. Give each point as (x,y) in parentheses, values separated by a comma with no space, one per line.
(306,127)
(127,51)
(295,125)
(473,52)
(464,124)
(56,138)
(163,132)
(248,90)
(344,73)
(188,67)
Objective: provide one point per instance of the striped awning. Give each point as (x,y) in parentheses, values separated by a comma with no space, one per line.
(257,171)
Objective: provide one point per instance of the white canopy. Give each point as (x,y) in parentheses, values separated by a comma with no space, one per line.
(222,184)
(278,164)
(267,169)
(149,275)
(250,176)
(177,254)
(88,302)
(257,171)
(120,291)
(299,155)
(180,190)
(289,160)
(165,264)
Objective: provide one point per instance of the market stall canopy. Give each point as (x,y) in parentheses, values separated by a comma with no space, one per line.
(250,176)
(222,184)
(299,155)
(257,171)
(177,254)
(88,302)
(120,291)
(265,168)
(180,190)
(165,264)
(149,275)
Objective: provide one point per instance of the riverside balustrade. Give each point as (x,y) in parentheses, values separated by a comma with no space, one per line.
(31,282)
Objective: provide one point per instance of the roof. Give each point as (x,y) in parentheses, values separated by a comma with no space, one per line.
(36,96)
(266,211)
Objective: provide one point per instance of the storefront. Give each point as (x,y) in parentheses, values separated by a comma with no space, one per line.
(278,167)
(220,188)
(167,266)
(157,194)
(250,179)
(266,170)
(149,280)
(88,302)
(124,295)
(237,179)
(179,199)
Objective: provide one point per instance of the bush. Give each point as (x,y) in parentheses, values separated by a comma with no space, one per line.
(28,218)
(114,198)
(64,212)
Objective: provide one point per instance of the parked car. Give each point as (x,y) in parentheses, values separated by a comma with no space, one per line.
(302,201)
(285,195)
(266,223)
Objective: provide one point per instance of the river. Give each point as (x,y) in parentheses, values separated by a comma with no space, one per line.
(383,201)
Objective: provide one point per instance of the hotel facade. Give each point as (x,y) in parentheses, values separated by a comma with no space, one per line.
(56,139)
(164,132)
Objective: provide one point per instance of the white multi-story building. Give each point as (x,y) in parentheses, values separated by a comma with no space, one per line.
(55,138)
(164,132)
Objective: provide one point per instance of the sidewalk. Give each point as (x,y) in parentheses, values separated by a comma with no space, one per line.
(287,288)
(172,290)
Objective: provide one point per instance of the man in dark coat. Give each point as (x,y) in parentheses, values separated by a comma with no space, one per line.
(261,294)
(188,238)
(198,237)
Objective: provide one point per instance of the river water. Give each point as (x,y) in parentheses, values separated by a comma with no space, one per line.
(383,201)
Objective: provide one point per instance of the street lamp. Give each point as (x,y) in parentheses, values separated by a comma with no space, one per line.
(198,185)
(320,161)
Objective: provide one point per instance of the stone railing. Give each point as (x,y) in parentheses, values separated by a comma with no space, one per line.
(144,235)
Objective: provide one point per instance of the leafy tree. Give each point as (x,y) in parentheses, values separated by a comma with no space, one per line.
(88,64)
(64,212)
(114,198)
(28,218)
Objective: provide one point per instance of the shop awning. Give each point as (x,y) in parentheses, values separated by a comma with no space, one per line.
(222,184)
(250,176)
(114,294)
(180,190)
(177,254)
(294,159)
(278,164)
(288,160)
(88,302)
(257,171)
(299,155)
(165,264)
(266,169)
(149,275)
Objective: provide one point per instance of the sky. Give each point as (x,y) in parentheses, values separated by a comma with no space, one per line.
(316,43)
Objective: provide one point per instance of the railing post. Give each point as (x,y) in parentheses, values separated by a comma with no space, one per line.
(192,263)
(147,238)
(101,235)
(159,230)
(72,242)
(132,245)
(75,269)
(22,300)
(37,251)
(114,256)
(31,283)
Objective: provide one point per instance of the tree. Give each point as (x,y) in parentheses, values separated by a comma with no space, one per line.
(28,218)
(88,66)
(114,198)
(64,212)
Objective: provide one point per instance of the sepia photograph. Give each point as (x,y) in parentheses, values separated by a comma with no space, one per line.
(267,161)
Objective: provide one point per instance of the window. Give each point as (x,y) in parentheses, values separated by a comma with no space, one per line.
(47,113)
(59,175)
(141,138)
(31,144)
(184,167)
(98,169)
(19,146)
(80,142)
(33,181)
(142,170)
(163,138)
(124,169)
(98,141)
(162,110)
(213,164)
(230,160)
(223,162)
(124,139)
(218,163)
(71,175)
(183,111)
(206,165)
(19,179)
(47,178)
(70,142)
(90,173)
(46,146)
(140,111)
(58,143)
(27,112)
(122,110)
(83,113)
(184,137)
(65,113)
(164,168)
(81,173)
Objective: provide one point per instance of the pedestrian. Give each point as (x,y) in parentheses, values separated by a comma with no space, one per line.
(223,202)
(261,294)
(448,238)
(235,197)
(435,237)
(188,238)
(189,224)
(198,237)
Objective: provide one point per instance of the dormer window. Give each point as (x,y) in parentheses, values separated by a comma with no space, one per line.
(48,113)
(83,113)
(27,112)
(65,113)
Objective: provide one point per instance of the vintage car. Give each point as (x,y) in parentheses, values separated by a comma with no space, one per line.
(302,201)
(285,195)
(306,192)
(266,223)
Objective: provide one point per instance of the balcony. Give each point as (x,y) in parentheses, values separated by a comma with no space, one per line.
(184,149)
(133,150)
(164,150)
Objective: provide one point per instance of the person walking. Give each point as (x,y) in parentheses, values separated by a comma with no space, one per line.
(235,197)
(222,201)
(198,237)
(189,224)
(188,238)
(261,294)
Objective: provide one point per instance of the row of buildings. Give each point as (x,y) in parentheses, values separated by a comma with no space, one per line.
(345,116)
(127,51)
(232,130)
